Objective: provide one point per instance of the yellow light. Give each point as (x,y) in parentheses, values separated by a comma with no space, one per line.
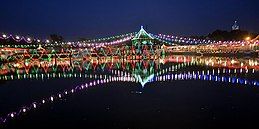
(248,38)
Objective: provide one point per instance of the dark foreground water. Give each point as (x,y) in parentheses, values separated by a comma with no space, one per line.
(162,105)
(206,93)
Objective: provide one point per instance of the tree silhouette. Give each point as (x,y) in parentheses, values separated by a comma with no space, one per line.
(56,38)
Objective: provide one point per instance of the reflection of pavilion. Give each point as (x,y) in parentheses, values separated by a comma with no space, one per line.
(140,67)
(143,71)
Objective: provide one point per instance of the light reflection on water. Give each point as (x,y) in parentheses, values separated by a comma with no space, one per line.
(24,86)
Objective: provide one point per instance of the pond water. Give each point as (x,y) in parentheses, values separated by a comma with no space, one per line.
(183,92)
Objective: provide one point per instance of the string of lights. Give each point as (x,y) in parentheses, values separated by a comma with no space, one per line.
(192,41)
(207,77)
(168,39)
(29,39)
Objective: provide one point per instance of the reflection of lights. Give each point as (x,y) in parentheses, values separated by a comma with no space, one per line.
(34,105)
(16,65)
(225,64)
(232,61)
(26,63)
(51,98)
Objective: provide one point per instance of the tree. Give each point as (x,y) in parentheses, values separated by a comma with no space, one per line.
(232,35)
(82,39)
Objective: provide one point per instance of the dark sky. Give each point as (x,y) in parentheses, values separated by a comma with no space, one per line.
(100,18)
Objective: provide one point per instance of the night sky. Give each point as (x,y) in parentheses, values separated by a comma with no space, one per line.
(100,18)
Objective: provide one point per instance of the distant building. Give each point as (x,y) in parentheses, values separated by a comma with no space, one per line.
(235,26)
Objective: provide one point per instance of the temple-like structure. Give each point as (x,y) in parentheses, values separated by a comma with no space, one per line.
(145,46)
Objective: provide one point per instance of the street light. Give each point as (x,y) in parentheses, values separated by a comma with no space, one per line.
(248,38)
